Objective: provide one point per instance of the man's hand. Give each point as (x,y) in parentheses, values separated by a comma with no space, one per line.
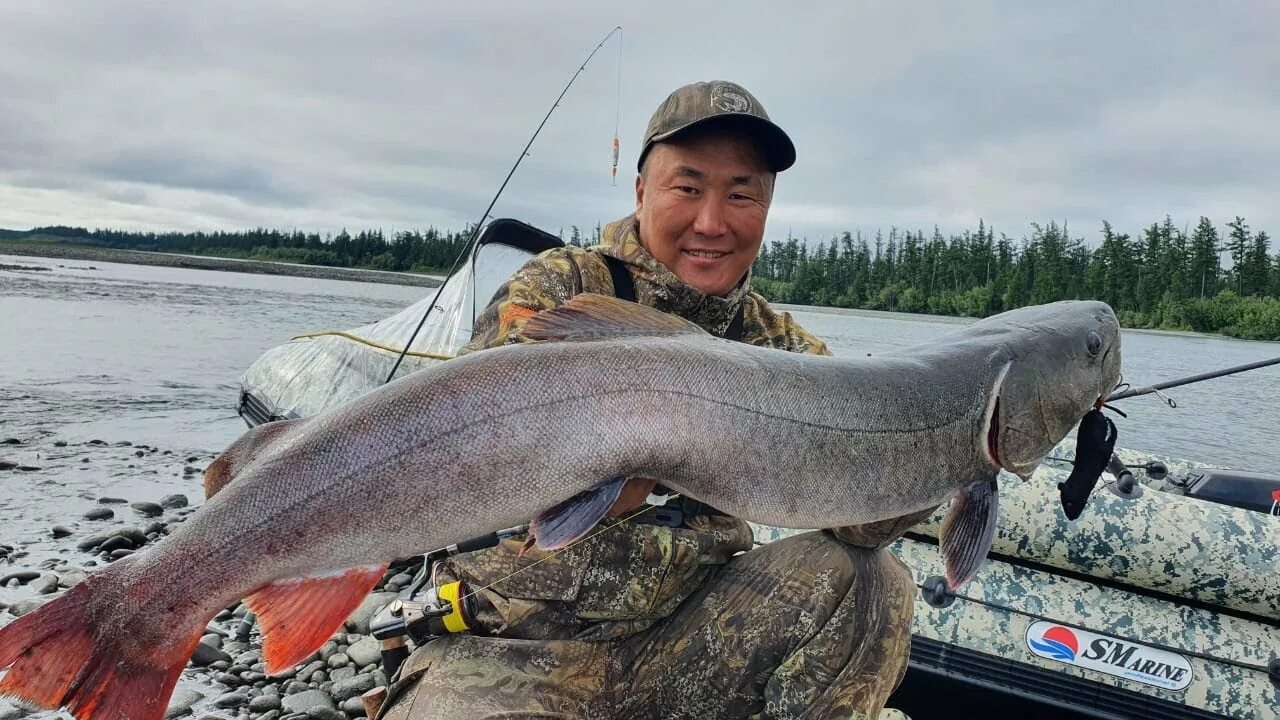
(633,495)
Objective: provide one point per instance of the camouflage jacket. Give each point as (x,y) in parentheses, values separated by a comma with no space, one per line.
(619,582)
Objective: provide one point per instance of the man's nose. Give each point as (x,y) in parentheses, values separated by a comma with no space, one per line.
(710,220)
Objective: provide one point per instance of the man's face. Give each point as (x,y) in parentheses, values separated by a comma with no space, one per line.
(702,203)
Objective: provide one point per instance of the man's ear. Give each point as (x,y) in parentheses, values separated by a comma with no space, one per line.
(639,191)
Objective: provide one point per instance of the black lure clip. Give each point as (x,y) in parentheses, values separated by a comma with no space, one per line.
(1094,444)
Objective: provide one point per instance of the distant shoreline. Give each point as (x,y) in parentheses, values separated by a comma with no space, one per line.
(957,320)
(205,262)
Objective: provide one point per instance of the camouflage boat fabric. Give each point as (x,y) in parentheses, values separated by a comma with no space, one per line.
(645,620)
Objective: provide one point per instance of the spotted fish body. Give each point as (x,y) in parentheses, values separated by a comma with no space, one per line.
(312,510)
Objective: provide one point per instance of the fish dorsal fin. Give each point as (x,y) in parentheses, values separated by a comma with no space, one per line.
(298,615)
(599,317)
(243,451)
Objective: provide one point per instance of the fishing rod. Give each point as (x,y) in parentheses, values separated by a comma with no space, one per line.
(1149,389)
(475,232)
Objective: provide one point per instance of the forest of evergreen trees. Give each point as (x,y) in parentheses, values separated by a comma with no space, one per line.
(1203,278)
(1169,277)
(408,251)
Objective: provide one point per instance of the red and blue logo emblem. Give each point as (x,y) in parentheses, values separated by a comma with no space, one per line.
(1057,643)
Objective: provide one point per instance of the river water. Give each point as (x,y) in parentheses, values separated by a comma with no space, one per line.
(121,380)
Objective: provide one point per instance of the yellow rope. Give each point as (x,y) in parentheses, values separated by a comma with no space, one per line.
(370,343)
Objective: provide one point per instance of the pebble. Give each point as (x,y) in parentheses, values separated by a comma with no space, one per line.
(324,712)
(147,509)
(207,654)
(359,620)
(264,703)
(112,501)
(60,443)
(7,465)
(60,531)
(353,707)
(181,702)
(10,441)
(115,542)
(99,514)
(293,687)
(22,576)
(249,657)
(22,607)
(342,673)
(71,577)
(304,701)
(175,501)
(45,584)
(117,554)
(338,660)
(365,651)
(352,687)
(228,679)
(231,699)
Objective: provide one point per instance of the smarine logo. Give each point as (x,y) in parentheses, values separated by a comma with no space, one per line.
(1113,656)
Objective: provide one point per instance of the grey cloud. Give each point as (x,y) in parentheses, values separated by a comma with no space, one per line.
(327,115)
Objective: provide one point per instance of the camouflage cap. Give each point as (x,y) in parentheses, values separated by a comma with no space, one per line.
(699,103)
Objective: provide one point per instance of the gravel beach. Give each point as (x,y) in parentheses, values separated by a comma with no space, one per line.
(225,678)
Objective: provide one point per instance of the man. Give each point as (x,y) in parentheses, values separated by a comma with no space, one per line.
(672,614)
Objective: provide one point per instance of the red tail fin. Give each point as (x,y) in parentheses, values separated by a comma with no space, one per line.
(298,615)
(57,662)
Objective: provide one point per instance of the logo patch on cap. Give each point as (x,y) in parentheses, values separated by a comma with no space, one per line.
(726,98)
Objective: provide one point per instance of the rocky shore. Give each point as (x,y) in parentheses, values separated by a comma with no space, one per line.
(136,257)
(225,678)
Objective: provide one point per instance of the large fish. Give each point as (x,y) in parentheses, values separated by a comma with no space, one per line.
(314,509)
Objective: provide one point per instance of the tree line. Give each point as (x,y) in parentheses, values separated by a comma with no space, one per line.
(1202,279)
(406,251)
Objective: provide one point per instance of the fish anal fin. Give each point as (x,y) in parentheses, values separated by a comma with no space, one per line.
(968,529)
(561,525)
(54,660)
(598,317)
(248,446)
(298,615)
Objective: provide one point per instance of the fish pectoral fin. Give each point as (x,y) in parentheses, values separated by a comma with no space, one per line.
(968,529)
(572,519)
(298,615)
(598,317)
(241,452)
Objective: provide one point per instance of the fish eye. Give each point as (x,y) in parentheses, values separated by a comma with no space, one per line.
(1093,343)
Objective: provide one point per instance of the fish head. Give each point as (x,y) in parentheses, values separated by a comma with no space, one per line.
(1062,359)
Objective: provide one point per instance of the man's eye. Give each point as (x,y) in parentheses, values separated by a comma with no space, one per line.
(687,189)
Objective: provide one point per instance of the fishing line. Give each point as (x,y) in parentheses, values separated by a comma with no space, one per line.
(617,116)
(475,232)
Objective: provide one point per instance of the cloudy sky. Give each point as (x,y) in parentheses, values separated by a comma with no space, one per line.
(320,116)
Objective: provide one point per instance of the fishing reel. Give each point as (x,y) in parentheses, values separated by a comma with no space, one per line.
(428,608)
